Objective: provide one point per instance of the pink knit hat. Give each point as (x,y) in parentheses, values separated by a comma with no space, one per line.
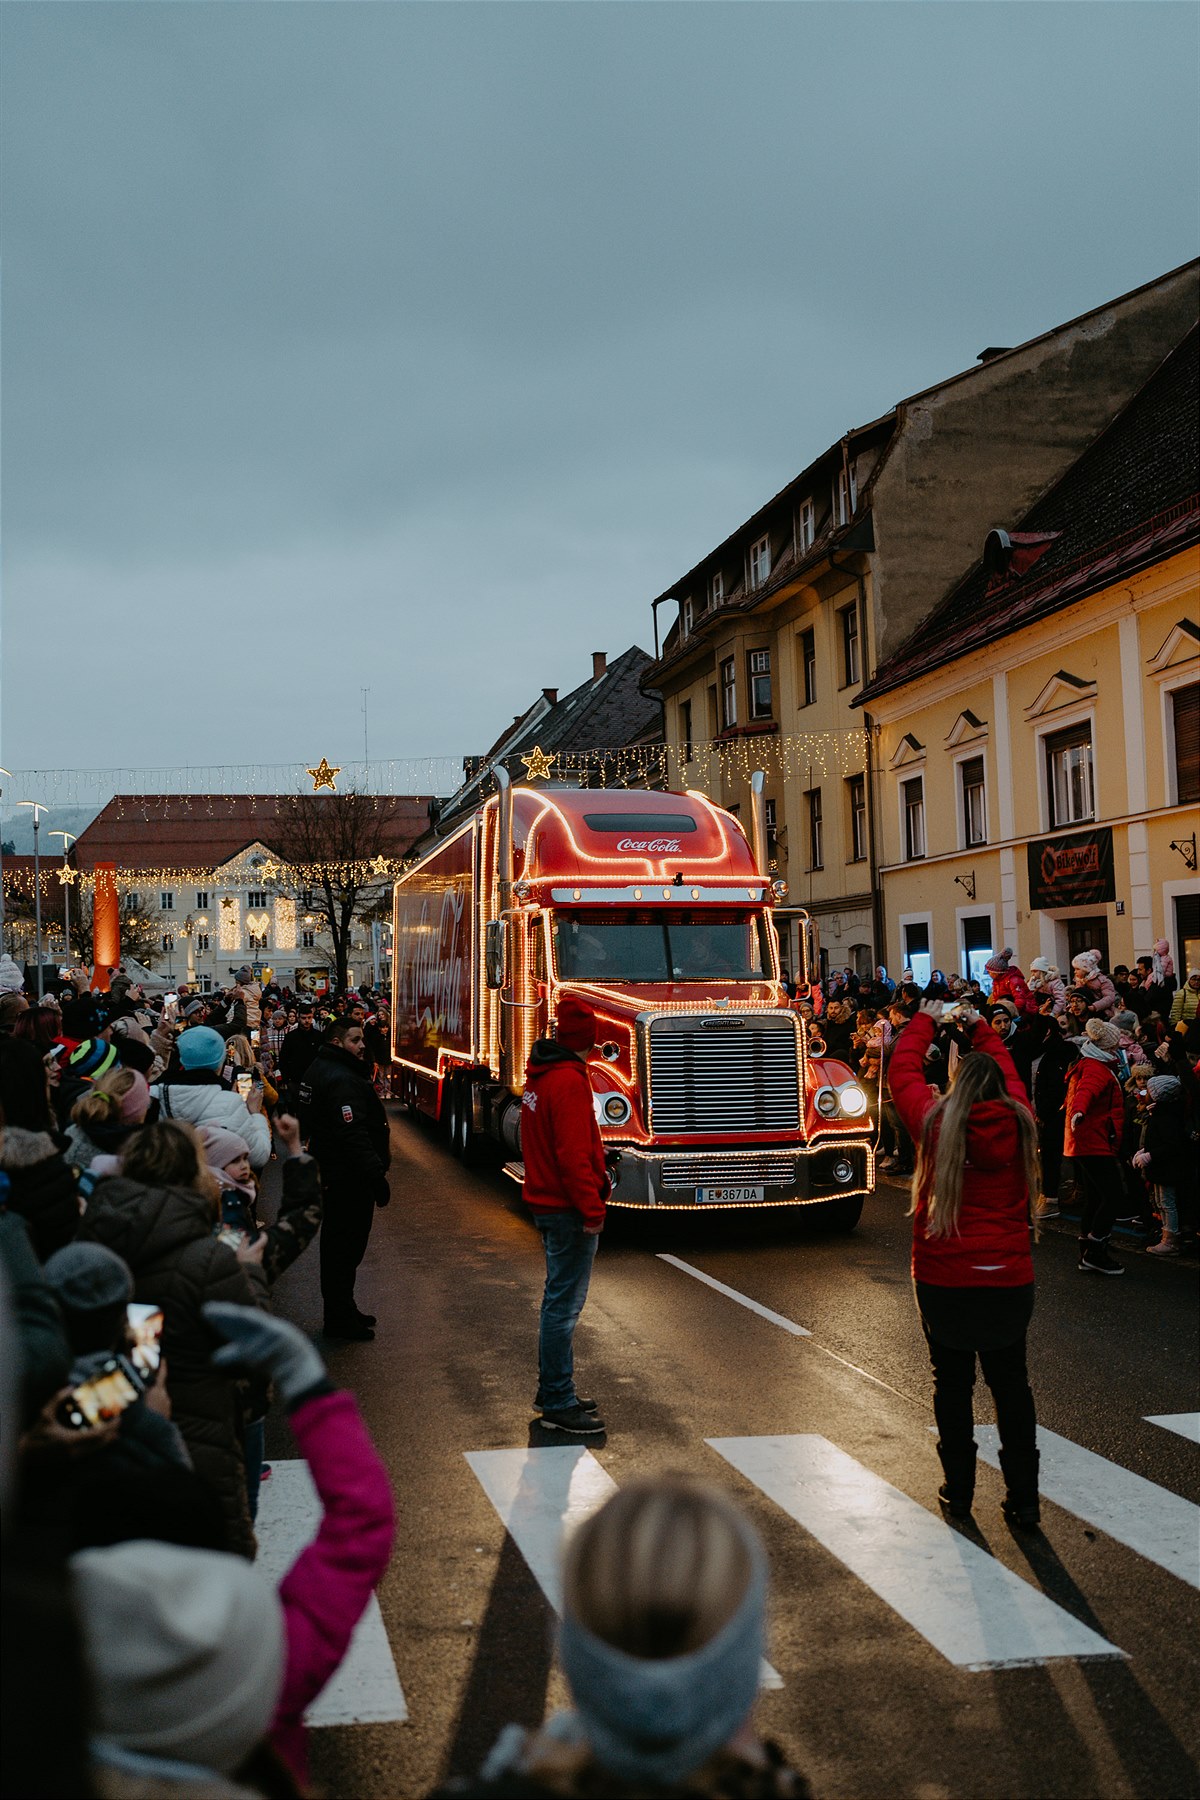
(135,1103)
(221,1147)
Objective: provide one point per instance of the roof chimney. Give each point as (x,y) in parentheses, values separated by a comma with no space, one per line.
(550,696)
(992,351)
(599,664)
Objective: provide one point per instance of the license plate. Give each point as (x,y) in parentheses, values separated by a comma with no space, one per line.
(728,1196)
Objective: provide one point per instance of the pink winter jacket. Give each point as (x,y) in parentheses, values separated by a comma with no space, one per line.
(326,1590)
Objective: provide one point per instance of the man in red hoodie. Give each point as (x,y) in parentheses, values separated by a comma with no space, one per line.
(566,1186)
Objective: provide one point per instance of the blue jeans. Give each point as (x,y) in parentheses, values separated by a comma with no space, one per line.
(570,1252)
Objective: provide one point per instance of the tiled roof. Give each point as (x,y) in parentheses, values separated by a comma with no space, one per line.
(202,831)
(1132,498)
(607,714)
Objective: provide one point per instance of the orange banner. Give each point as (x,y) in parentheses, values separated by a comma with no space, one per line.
(106,925)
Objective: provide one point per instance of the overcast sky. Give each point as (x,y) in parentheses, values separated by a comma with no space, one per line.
(420,345)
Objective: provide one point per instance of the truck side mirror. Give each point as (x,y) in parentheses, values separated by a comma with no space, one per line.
(496,952)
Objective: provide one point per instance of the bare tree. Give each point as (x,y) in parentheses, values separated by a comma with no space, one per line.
(339,848)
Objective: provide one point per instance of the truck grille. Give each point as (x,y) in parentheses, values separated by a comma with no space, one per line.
(709,1073)
(729,1171)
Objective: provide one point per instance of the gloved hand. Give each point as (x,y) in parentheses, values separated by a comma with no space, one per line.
(257,1340)
(384,1194)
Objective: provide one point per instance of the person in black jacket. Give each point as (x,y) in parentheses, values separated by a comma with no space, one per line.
(348,1134)
(300,1045)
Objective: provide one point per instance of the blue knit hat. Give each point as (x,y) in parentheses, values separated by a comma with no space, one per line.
(91,1058)
(201,1047)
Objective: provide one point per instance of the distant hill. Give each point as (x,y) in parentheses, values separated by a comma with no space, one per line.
(17,827)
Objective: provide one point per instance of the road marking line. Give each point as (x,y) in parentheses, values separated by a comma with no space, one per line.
(1159,1525)
(1186,1424)
(974,1611)
(774,1318)
(366,1689)
(543,1494)
(764,1312)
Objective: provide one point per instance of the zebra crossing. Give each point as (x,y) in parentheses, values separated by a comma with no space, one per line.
(951,1591)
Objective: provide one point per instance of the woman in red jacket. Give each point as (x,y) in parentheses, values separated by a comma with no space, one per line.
(975,1183)
(1095,1111)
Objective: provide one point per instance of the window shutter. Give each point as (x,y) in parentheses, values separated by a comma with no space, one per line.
(1185,704)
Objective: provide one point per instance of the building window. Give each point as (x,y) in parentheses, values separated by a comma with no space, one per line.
(133,903)
(306,899)
(206,984)
(202,940)
(760,562)
(913,796)
(759,665)
(977,949)
(806,525)
(256,900)
(808,667)
(687,616)
(1069,776)
(917,953)
(201,900)
(974,808)
(845,497)
(166,901)
(685,729)
(168,942)
(716,589)
(308,940)
(256,943)
(772,818)
(856,793)
(1185,719)
(728,693)
(816,830)
(851,661)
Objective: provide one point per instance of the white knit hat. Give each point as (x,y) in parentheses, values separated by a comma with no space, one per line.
(185,1649)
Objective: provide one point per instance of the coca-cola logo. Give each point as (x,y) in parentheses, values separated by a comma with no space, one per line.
(650,846)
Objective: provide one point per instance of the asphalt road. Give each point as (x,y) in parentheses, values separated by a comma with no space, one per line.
(870,1703)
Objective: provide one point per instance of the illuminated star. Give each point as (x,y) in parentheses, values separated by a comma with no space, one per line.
(226,902)
(323,777)
(538,763)
(270,870)
(67,874)
(380,865)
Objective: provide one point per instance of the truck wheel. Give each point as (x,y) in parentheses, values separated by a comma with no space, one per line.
(843,1215)
(465,1143)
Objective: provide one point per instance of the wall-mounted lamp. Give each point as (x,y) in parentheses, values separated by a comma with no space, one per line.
(1186,847)
(967,883)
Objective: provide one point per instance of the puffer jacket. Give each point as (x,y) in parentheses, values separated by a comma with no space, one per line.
(165,1235)
(41,1187)
(991,1245)
(345,1121)
(1094,1092)
(199,1099)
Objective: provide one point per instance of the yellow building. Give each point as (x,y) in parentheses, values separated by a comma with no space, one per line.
(1036,746)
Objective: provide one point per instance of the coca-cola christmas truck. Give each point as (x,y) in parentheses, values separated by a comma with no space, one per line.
(653,908)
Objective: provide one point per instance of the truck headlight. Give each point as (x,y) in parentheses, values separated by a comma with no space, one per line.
(826,1102)
(853,1100)
(616,1109)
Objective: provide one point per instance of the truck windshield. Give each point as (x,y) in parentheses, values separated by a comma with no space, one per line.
(640,946)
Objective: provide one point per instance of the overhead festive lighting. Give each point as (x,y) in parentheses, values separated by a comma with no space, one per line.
(538,763)
(67,874)
(323,777)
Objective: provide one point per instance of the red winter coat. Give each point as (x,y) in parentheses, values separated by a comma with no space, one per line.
(560,1139)
(326,1590)
(991,1245)
(1011,985)
(1094,1091)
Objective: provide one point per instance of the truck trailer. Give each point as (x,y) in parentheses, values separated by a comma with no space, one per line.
(710,1090)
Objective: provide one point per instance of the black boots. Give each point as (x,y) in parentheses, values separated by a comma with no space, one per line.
(1020,1505)
(958,1490)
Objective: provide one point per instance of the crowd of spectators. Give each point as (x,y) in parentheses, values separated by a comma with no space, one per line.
(1107,1058)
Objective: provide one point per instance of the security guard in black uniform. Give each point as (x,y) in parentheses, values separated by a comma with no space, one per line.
(347,1132)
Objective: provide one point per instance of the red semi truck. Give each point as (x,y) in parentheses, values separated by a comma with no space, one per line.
(652,907)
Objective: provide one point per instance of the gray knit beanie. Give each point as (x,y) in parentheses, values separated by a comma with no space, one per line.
(88,1277)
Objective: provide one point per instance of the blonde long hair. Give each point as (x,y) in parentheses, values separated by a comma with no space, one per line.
(660,1568)
(100,1102)
(942,1151)
(170,1153)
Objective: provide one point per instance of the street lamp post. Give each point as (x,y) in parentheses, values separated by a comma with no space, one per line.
(68,838)
(8,774)
(37,809)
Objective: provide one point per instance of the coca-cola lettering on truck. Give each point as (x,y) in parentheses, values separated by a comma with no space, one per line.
(710,1091)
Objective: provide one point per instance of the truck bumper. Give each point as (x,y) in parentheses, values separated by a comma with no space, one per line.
(797,1175)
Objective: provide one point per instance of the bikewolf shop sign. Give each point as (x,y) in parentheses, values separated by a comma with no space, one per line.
(1072,871)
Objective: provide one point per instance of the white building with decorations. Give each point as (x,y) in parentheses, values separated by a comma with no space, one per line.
(209,871)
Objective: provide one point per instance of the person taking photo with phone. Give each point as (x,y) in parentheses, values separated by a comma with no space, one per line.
(196,1095)
(975,1185)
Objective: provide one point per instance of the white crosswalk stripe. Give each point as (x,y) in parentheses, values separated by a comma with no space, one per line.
(366,1688)
(1186,1424)
(972,1609)
(1159,1525)
(540,1495)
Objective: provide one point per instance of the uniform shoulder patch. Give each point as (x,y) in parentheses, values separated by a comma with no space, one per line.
(529,1099)
(348,1114)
